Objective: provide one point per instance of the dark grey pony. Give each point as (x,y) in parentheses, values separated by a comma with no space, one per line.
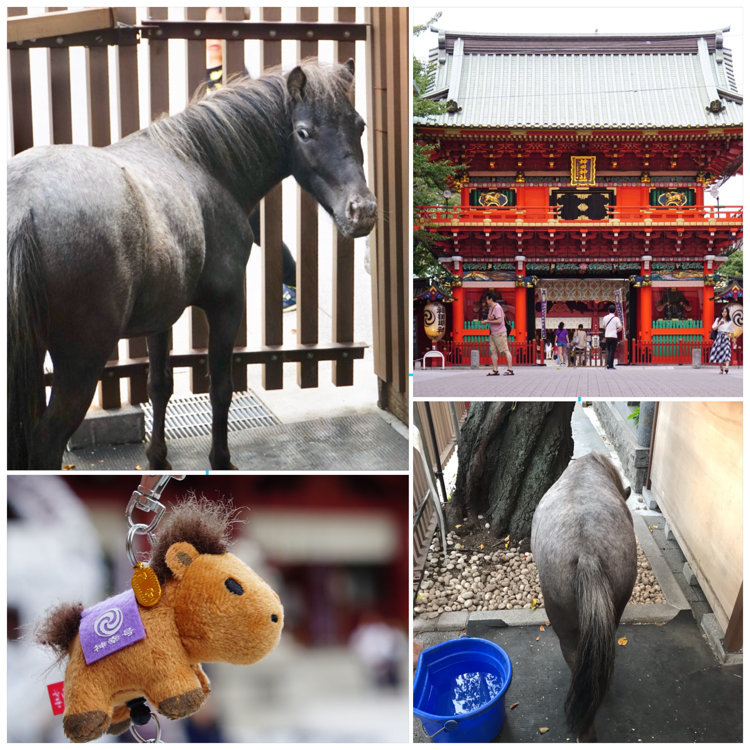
(584,548)
(105,243)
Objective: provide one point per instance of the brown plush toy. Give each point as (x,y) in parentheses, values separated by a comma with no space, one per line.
(213,607)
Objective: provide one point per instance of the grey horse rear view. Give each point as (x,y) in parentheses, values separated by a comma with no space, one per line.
(585,551)
(107,243)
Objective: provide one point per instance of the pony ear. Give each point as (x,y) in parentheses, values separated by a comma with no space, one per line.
(179,557)
(626,493)
(349,65)
(295,83)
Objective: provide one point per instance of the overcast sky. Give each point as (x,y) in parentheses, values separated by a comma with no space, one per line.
(588,18)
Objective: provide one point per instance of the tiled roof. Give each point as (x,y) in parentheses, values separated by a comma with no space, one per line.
(589,81)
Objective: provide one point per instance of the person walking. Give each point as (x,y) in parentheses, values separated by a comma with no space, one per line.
(561,337)
(612,326)
(579,346)
(721,350)
(498,334)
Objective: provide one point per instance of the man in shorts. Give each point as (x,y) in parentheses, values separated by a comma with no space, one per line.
(498,334)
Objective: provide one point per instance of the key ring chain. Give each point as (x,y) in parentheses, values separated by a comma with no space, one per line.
(144,582)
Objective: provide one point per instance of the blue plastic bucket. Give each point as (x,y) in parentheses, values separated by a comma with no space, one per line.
(459,690)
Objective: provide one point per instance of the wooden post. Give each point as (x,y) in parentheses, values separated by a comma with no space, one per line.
(388,125)
(733,635)
(271,240)
(343,254)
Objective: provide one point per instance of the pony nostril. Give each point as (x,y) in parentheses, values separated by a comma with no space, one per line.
(274,618)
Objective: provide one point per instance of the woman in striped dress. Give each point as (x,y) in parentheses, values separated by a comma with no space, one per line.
(721,351)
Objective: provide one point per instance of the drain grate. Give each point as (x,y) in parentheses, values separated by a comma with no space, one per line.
(190,416)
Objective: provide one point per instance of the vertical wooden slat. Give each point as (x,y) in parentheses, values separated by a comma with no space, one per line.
(271,239)
(196,53)
(234,62)
(97,74)
(389,112)
(342,371)
(127,79)
(158,63)
(97,82)
(129,110)
(196,73)
(307,248)
(20,94)
(60,97)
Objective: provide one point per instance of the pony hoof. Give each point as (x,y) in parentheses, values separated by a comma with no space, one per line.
(182,705)
(159,463)
(119,727)
(86,726)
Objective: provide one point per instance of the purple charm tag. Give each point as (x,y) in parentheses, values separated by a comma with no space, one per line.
(109,626)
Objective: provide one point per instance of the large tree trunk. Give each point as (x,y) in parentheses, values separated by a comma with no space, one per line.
(509,455)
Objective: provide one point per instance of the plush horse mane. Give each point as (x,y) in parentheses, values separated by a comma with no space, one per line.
(203,523)
(229,130)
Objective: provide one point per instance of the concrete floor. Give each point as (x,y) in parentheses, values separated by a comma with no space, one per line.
(667,686)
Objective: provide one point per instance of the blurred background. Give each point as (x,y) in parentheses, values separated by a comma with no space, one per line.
(335,548)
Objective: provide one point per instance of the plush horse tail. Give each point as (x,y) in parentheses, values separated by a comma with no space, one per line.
(60,628)
(27,315)
(595,657)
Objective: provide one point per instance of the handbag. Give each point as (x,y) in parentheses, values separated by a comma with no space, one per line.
(712,335)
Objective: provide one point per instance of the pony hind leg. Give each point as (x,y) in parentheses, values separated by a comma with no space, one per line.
(73,389)
(160,388)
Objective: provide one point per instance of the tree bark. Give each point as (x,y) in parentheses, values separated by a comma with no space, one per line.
(509,455)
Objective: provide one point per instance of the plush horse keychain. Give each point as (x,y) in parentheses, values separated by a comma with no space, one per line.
(196,602)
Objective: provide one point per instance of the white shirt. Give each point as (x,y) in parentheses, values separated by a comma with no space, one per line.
(724,327)
(611,326)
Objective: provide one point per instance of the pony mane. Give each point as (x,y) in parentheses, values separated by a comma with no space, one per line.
(203,523)
(229,130)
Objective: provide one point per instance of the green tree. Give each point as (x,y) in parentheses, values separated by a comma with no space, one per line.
(431,176)
(732,269)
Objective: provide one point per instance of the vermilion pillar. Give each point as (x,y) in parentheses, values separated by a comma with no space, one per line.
(645,309)
(521,333)
(708,293)
(458,313)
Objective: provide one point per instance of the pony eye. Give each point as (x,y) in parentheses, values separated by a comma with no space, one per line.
(234,587)
(304,134)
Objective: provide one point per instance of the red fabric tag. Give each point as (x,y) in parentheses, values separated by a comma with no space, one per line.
(56,697)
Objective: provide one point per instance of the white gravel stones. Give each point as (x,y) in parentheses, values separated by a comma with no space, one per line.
(497,578)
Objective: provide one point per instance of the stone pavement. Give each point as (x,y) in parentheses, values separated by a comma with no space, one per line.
(552,382)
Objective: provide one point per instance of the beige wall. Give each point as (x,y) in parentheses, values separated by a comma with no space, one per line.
(696,477)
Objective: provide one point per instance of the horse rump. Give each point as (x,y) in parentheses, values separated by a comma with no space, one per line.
(27,315)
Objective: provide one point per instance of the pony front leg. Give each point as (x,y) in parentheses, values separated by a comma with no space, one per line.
(160,387)
(223,325)
(179,694)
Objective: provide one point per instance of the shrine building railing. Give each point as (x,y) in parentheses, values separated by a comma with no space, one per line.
(677,352)
(551,215)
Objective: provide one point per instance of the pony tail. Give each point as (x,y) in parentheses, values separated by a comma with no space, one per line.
(595,659)
(27,314)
